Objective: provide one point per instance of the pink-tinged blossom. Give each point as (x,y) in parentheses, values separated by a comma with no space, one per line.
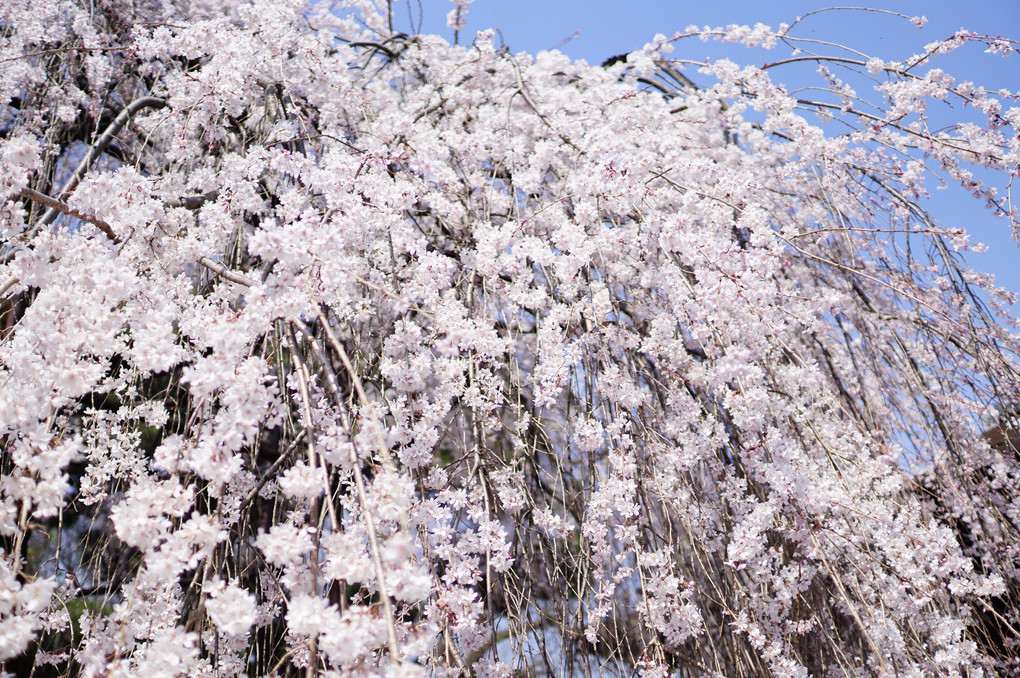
(19,158)
(144,517)
(302,481)
(285,544)
(21,605)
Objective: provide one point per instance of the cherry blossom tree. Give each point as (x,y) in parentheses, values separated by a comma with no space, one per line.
(332,350)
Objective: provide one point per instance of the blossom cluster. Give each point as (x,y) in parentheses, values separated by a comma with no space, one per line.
(330,349)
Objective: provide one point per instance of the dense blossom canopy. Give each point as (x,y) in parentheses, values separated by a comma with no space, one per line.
(331,350)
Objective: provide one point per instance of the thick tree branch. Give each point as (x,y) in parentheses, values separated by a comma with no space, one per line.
(62,207)
(95,151)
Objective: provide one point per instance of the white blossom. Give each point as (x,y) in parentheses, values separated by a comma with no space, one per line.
(333,348)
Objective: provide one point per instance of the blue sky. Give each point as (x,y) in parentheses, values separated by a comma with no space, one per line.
(596,29)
